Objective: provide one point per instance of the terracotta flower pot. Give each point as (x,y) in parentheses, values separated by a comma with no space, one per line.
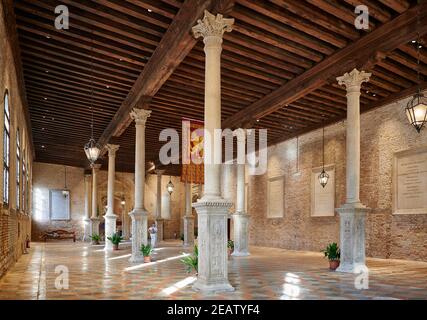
(95,242)
(116,246)
(333,264)
(147,259)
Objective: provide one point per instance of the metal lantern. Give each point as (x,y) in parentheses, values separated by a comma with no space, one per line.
(416,111)
(323,178)
(65,192)
(123,201)
(170,186)
(92,150)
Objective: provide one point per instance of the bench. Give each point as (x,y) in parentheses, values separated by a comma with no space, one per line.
(59,235)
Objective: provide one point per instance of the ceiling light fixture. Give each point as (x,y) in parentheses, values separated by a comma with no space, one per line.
(416,109)
(170,187)
(91,148)
(323,176)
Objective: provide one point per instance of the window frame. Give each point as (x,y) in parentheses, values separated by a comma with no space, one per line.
(18,170)
(6,149)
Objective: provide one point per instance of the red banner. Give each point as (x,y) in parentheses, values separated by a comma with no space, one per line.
(192,151)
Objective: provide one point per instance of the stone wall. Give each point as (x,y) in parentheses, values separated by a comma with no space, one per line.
(383,132)
(15,223)
(51,176)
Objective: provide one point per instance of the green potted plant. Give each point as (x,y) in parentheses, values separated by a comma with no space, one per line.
(95,238)
(191,262)
(230,247)
(332,252)
(146,252)
(182,237)
(115,240)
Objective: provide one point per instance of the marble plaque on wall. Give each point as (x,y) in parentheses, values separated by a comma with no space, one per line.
(323,199)
(275,197)
(410,181)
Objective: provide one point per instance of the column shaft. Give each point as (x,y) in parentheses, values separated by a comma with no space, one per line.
(188,218)
(95,219)
(110,217)
(159,219)
(86,221)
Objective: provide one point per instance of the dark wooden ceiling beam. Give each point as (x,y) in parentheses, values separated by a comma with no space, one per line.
(383,39)
(176,43)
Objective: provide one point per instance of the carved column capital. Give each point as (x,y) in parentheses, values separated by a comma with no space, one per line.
(159,172)
(112,149)
(140,115)
(212,27)
(353,80)
(95,166)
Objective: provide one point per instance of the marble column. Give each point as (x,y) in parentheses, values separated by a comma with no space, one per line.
(240,217)
(125,223)
(212,209)
(188,218)
(86,220)
(110,217)
(159,220)
(353,212)
(139,214)
(94,220)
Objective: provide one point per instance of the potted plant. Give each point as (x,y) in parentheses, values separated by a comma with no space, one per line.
(230,247)
(182,237)
(332,252)
(191,262)
(146,252)
(95,238)
(115,240)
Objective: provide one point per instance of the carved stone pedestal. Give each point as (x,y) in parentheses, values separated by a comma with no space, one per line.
(212,241)
(94,226)
(87,228)
(241,244)
(159,224)
(352,237)
(110,229)
(139,234)
(188,231)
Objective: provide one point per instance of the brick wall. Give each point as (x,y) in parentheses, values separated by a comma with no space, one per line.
(15,224)
(383,132)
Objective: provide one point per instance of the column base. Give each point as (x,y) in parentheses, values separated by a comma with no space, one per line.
(110,229)
(213,260)
(159,224)
(86,234)
(139,233)
(94,226)
(188,231)
(241,241)
(352,237)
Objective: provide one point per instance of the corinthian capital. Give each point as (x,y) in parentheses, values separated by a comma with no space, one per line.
(212,25)
(140,115)
(354,79)
(112,149)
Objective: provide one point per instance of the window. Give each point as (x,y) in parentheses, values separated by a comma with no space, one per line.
(59,205)
(18,170)
(24,187)
(6,140)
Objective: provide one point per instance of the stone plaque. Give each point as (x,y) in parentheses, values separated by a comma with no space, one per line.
(275,197)
(323,199)
(410,181)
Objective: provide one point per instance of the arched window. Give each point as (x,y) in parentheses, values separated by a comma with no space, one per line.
(18,170)
(6,149)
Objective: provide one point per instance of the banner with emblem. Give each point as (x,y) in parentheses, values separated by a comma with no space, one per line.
(192,151)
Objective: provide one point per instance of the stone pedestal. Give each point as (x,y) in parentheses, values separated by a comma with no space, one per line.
(188,231)
(352,237)
(159,224)
(139,234)
(241,223)
(87,229)
(94,226)
(212,242)
(110,229)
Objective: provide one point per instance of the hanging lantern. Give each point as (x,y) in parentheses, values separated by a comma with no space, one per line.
(416,111)
(123,202)
(65,192)
(323,178)
(170,186)
(92,150)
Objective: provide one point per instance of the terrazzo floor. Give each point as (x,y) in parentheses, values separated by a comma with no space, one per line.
(266,274)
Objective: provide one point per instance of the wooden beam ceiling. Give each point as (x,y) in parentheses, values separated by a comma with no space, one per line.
(278,65)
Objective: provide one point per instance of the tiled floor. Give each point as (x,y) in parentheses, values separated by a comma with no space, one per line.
(266,274)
